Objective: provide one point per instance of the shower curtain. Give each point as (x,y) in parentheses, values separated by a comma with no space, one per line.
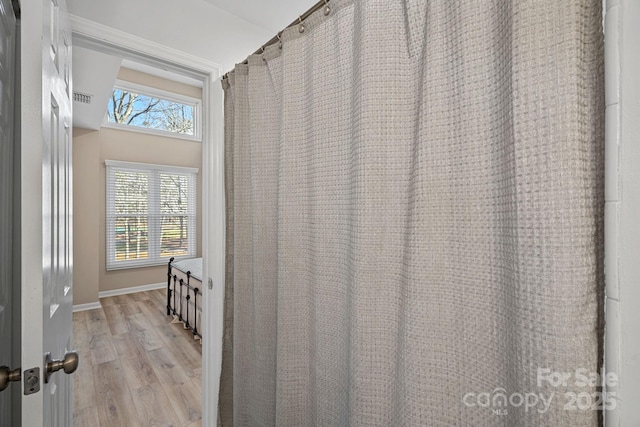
(414,198)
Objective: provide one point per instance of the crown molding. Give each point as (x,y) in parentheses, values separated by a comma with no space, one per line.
(103,38)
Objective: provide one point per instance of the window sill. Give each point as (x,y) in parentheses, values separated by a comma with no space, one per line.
(160,133)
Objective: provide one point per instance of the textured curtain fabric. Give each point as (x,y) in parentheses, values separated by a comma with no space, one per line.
(414,217)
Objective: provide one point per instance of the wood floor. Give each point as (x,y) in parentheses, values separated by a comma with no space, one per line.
(136,368)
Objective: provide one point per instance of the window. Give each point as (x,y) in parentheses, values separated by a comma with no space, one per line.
(144,109)
(151,214)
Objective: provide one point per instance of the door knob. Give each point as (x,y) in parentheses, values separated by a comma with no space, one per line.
(7,375)
(69,364)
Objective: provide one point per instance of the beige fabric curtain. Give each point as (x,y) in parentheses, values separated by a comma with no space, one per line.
(414,217)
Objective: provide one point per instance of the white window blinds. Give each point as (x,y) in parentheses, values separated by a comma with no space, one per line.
(151,214)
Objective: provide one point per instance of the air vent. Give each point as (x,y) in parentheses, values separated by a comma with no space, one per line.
(82,97)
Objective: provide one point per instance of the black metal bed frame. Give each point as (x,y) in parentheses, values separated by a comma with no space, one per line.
(189,291)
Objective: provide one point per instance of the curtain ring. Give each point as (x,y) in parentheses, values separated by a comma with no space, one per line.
(327,9)
(301,27)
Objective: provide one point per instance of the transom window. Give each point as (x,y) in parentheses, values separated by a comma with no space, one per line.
(141,108)
(151,214)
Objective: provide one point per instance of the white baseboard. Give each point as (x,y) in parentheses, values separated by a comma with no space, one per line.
(132,290)
(88,306)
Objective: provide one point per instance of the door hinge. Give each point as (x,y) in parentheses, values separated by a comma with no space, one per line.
(31,381)
(210,283)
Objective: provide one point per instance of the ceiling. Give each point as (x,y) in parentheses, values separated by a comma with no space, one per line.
(94,73)
(273,15)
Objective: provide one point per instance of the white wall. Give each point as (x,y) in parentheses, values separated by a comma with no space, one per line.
(192,26)
(622,208)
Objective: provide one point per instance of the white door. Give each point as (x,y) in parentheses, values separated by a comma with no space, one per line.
(9,393)
(46,217)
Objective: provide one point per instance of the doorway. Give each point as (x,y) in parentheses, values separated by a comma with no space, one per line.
(93,36)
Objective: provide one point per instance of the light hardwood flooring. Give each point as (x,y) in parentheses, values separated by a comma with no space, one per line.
(136,368)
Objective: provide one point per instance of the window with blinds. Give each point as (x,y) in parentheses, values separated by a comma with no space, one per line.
(151,214)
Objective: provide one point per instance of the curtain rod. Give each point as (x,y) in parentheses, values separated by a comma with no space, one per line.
(298,21)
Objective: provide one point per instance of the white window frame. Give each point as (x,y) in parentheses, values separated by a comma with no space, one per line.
(153,214)
(160,94)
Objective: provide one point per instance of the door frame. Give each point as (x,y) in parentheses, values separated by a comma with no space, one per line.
(101,38)
(622,204)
